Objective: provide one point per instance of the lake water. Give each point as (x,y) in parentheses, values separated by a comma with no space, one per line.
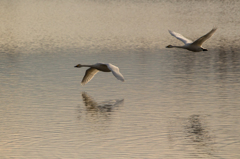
(173,104)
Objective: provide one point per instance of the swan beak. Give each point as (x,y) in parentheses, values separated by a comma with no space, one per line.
(205,49)
(77,65)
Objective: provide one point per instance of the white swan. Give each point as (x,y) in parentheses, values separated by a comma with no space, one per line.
(94,69)
(195,46)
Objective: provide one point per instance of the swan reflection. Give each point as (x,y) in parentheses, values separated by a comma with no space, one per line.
(105,106)
(97,116)
(199,134)
(195,129)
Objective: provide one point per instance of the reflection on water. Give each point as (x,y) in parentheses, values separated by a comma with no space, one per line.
(98,115)
(105,106)
(195,130)
(198,133)
(194,134)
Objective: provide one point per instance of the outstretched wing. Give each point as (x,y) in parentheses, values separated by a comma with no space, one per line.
(180,37)
(89,74)
(115,71)
(201,40)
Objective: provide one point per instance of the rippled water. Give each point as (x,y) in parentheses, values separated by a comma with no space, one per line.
(173,104)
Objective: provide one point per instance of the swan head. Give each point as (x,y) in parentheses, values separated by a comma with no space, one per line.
(204,49)
(78,65)
(169,46)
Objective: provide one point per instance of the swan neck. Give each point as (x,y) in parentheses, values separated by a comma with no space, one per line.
(86,65)
(178,47)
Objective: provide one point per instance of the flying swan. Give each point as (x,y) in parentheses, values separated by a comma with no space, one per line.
(195,46)
(94,69)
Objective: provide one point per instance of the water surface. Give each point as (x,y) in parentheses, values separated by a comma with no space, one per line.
(173,104)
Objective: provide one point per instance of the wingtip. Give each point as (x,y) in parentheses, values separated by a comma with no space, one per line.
(121,79)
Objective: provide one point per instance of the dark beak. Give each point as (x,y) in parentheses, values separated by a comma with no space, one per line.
(204,49)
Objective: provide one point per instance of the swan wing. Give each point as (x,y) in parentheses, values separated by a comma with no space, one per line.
(89,74)
(201,40)
(115,71)
(180,37)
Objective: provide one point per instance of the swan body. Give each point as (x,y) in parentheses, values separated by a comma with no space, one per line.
(195,46)
(94,69)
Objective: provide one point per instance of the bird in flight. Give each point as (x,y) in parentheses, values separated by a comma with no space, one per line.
(94,69)
(195,46)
